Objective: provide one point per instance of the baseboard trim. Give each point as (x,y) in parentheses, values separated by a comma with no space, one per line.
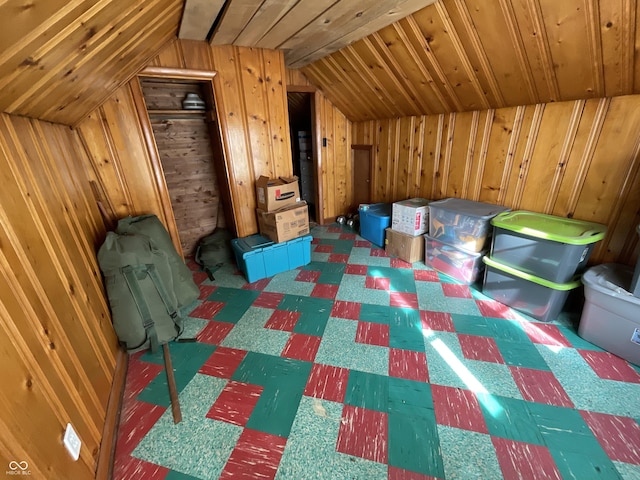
(104,465)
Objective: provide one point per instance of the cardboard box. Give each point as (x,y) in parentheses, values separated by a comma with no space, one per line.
(410,216)
(404,246)
(285,224)
(275,193)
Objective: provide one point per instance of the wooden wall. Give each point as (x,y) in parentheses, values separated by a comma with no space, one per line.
(576,159)
(57,345)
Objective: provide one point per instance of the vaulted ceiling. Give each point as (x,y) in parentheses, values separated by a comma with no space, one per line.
(60,59)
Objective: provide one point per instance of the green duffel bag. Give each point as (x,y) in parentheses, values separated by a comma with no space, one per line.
(213,251)
(185,288)
(139,286)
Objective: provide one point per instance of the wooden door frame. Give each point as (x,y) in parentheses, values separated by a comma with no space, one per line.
(207,78)
(316,145)
(369,149)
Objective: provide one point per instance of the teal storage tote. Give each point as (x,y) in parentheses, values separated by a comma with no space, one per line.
(258,257)
(374,219)
(531,295)
(546,246)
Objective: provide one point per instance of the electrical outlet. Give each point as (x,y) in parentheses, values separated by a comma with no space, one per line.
(72,442)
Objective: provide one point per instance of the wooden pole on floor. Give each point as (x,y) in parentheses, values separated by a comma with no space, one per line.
(171,380)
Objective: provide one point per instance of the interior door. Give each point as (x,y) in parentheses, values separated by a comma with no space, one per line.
(362,159)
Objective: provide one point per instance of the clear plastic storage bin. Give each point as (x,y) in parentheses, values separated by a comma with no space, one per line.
(531,295)
(547,246)
(462,223)
(459,264)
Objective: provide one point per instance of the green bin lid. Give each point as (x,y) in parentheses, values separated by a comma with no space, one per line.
(575,283)
(551,227)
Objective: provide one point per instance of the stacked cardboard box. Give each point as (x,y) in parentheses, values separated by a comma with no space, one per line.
(281,214)
(409,220)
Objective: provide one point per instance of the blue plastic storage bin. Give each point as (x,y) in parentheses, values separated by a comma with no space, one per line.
(374,219)
(258,257)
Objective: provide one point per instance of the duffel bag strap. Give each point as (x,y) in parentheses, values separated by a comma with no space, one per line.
(164,295)
(138,297)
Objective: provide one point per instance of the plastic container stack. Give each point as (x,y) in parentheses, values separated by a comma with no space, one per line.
(535,260)
(459,233)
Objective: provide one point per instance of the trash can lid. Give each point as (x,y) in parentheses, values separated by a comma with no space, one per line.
(611,279)
(551,227)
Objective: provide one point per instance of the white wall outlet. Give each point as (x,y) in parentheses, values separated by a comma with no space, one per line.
(72,442)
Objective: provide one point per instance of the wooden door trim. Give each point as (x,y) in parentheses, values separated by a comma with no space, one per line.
(368,148)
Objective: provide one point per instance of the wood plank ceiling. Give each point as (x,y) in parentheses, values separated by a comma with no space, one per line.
(461,55)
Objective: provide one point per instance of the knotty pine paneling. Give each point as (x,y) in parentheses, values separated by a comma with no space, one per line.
(468,55)
(57,345)
(577,159)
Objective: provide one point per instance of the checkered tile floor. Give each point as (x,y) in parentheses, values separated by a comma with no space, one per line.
(358,366)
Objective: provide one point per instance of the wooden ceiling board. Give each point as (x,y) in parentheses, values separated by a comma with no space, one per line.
(268,15)
(235,16)
(198,18)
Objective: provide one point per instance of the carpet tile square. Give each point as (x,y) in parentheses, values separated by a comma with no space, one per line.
(223,362)
(327,383)
(361,366)
(408,364)
(373,334)
(256,455)
(457,407)
(364,434)
(235,403)
(301,347)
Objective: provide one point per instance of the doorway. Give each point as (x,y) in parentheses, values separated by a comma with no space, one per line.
(301,127)
(362,168)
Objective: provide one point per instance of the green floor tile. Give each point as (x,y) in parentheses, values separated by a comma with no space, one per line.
(507,330)
(375,313)
(471,325)
(272,371)
(410,398)
(326,267)
(584,466)
(405,317)
(521,354)
(339,246)
(237,302)
(510,419)
(173,475)
(276,409)
(297,303)
(187,358)
(400,279)
(406,338)
(367,390)
(311,324)
(330,278)
(414,445)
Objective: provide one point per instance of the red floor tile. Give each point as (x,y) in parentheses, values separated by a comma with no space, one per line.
(257,285)
(456,291)
(372,334)
(343,309)
(377,283)
(235,403)
(206,310)
(327,382)
(334,229)
(215,332)
(268,300)
(324,248)
(322,290)
(362,244)
(283,320)
(618,436)
(403,300)
(399,263)
(439,321)
(493,309)
(136,419)
(545,334)
(135,469)
(363,433)
(200,277)
(426,276)
(301,347)
(525,461)
(378,252)
(139,375)
(338,258)
(609,366)
(223,362)
(308,276)
(205,291)
(540,386)
(256,456)
(408,364)
(475,347)
(457,407)
(353,269)
(395,473)
(347,236)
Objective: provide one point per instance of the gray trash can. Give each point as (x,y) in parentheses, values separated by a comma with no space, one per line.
(635,282)
(611,315)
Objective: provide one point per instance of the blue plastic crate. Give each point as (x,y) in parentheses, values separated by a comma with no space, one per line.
(374,219)
(258,257)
